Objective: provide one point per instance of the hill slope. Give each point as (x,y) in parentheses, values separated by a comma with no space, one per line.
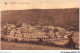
(57,17)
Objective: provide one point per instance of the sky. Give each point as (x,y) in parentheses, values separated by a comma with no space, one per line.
(38,4)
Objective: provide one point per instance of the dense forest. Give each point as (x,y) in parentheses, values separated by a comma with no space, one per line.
(56,17)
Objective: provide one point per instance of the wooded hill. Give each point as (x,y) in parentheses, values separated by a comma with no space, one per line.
(56,17)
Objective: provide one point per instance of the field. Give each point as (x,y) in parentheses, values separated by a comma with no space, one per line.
(26,46)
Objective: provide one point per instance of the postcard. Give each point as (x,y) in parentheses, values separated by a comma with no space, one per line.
(39,25)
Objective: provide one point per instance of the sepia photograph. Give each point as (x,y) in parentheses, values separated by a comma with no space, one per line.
(40,25)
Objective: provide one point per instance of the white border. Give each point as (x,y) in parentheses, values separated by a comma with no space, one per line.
(38,51)
(79,25)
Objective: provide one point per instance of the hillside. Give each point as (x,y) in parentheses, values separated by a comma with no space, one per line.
(57,17)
